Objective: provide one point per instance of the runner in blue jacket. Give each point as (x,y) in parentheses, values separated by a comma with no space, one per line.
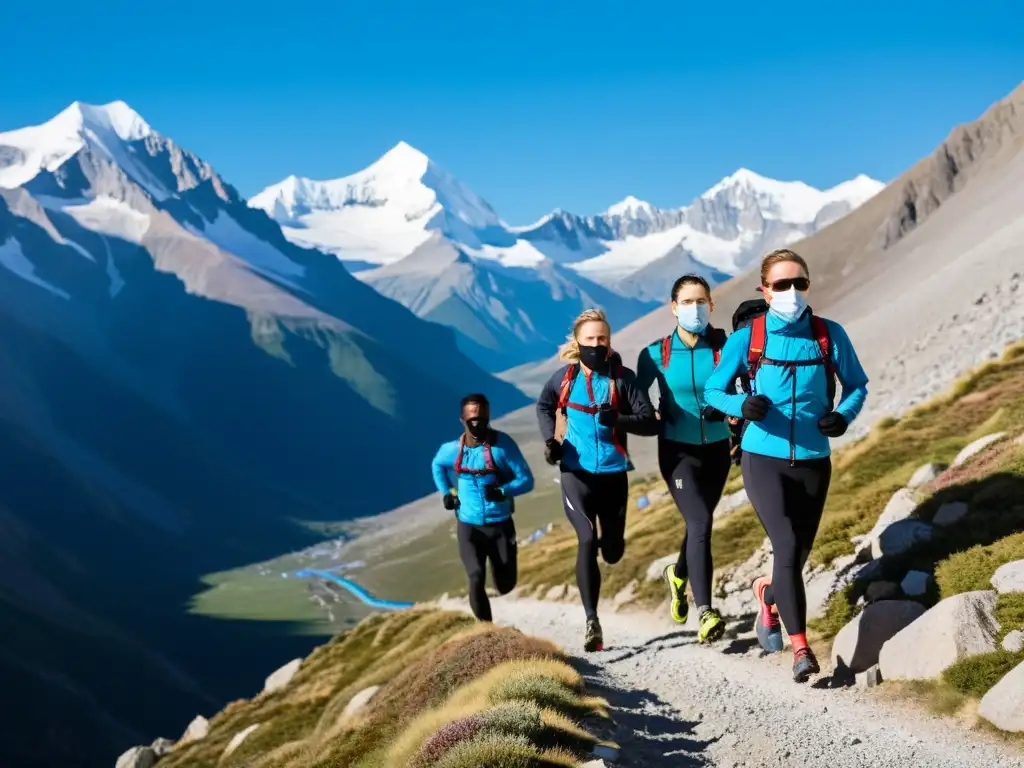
(478,476)
(693,447)
(792,359)
(601,402)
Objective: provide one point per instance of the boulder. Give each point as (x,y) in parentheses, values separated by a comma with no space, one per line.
(280,678)
(196,730)
(858,643)
(657,568)
(900,506)
(881,590)
(1009,578)
(977,447)
(358,702)
(1003,705)
(137,757)
(950,512)
(925,475)
(162,747)
(1014,641)
(900,537)
(915,583)
(959,626)
(238,738)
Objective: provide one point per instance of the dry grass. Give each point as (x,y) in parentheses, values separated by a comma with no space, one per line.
(425,661)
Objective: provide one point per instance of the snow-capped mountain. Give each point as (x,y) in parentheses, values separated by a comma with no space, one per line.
(377,219)
(184,389)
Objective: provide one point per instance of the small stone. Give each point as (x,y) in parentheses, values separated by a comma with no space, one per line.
(977,447)
(950,512)
(915,583)
(1009,578)
(162,747)
(925,475)
(281,677)
(656,569)
(853,741)
(625,595)
(196,730)
(870,677)
(137,757)
(358,702)
(556,593)
(1014,641)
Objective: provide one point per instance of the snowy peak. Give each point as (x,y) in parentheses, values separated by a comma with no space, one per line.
(116,118)
(856,191)
(402,160)
(630,207)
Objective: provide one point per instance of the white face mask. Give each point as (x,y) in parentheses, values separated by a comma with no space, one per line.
(789,305)
(692,317)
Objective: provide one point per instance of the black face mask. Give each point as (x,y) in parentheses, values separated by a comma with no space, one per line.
(478,428)
(595,358)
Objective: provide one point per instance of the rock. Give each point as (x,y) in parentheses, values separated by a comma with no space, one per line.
(858,643)
(869,572)
(196,730)
(162,747)
(731,503)
(1014,641)
(900,506)
(595,764)
(1003,705)
(556,593)
(915,583)
(1009,578)
(824,583)
(358,702)
(657,568)
(950,512)
(881,590)
(925,475)
(280,678)
(238,738)
(959,626)
(862,550)
(870,677)
(605,752)
(977,447)
(573,593)
(901,537)
(625,595)
(137,757)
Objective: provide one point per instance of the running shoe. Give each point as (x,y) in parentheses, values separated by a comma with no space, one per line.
(712,626)
(767,625)
(594,638)
(804,665)
(677,592)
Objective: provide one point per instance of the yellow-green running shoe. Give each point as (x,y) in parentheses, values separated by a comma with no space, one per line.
(677,590)
(712,627)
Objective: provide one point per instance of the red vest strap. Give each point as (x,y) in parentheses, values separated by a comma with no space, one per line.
(666,352)
(489,468)
(755,350)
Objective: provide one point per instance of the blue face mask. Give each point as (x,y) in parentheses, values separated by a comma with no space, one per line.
(789,305)
(692,317)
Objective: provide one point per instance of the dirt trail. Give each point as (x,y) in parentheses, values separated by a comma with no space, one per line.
(679,704)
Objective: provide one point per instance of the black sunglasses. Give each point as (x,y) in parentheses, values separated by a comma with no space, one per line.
(800,283)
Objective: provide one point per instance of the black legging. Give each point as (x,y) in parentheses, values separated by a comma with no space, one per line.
(477,545)
(695,476)
(789,501)
(591,500)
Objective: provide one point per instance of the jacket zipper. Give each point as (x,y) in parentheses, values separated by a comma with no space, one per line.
(792,421)
(700,411)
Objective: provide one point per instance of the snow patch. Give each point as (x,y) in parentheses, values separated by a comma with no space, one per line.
(13,259)
(630,206)
(110,217)
(226,233)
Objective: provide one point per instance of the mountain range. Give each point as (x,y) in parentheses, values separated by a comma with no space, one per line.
(414,232)
(185,391)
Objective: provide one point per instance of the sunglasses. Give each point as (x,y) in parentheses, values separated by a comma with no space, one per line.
(800,283)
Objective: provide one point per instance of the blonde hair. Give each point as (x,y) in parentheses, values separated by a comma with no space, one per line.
(570,351)
(778,257)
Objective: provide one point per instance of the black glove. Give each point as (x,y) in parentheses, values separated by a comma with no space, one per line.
(756,407)
(552,451)
(607,416)
(450,501)
(832,424)
(493,493)
(712,414)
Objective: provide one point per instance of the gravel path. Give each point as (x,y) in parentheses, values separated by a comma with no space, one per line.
(678,704)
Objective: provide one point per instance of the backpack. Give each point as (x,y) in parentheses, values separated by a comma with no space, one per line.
(716,338)
(566,390)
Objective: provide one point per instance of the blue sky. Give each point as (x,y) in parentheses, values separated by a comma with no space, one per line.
(533,104)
